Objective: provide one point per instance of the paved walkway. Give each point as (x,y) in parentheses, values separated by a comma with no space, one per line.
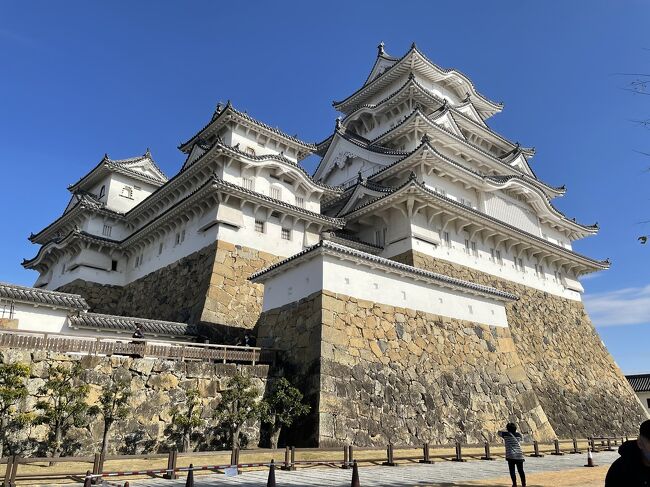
(403,476)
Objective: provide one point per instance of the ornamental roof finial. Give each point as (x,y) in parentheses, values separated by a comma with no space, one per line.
(413,46)
(148,153)
(411,75)
(412,176)
(380,49)
(359,177)
(425,139)
(338,123)
(105,158)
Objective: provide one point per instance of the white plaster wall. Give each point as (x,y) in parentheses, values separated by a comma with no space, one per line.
(40,318)
(293,284)
(114,190)
(378,285)
(238,136)
(452,190)
(552,235)
(456,254)
(516,213)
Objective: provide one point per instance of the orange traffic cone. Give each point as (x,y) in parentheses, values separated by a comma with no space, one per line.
(355,475)
(590,458)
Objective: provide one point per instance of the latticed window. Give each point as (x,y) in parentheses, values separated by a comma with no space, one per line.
(106,231)
(276,192)
(300,201)
(286,234)
(249,183)
(259,226)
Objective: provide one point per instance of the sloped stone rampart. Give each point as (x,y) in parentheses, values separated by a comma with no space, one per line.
(578,384)
(156,386)
(231,298)
(209,286)
(386,374)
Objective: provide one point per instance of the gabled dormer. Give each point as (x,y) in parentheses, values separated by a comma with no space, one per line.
(120,184)
(238,129)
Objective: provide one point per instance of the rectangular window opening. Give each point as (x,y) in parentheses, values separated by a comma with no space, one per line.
(259,226)
(286,234)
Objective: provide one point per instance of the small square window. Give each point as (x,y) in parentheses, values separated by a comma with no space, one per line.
(106,231)
(286,234)
(113,265)
(259,226)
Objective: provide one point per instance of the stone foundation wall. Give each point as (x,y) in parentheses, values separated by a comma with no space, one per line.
(385,374)
(295,330)
(209,286)
(392,374)
(156,386)
(578,384)
(231,298)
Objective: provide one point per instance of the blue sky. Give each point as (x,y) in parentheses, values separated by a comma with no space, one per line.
(78,79)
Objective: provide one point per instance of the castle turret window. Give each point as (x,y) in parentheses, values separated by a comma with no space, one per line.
(102,192)
(276,192)
(106,231)
(286,234)
(127,192)
(259,226)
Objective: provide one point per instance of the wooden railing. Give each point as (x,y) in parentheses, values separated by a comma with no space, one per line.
(94,345)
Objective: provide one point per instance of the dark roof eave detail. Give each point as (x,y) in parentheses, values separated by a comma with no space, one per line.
(412,183)
(31,295)
(308,147)
(341,249)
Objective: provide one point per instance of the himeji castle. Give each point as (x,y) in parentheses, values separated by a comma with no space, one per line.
(421,277)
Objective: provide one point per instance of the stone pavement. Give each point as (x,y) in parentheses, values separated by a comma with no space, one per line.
(407,475)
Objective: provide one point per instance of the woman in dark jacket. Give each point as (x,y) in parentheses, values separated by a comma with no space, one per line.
(632,468)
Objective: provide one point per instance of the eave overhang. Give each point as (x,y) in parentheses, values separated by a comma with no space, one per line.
(413,89)
(325,247)
(229,113)
(75,235)
(107,166)
(426,154)
(413,189)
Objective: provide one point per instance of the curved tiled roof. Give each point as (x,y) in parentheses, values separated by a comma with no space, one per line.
(85,200)
(32,295)
(441,278)
(420,186)
(639,382)
(412,80)
(230,109)
(129,323)
(414,49)
(122,166)
(74,233)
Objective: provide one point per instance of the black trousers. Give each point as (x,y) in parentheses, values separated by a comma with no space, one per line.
(520,469)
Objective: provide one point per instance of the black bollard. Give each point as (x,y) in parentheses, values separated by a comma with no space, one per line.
(487,452)
(536,452)
(271,481)
(88,480)
(346,461)
(459,454)
(287,463)
(425,451)
(355,475)
(556,451)
(390,461)
(126,484)
(190,476)
(575,446)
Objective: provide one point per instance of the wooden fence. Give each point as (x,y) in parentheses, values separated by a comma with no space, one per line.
(292,458)
(173,350)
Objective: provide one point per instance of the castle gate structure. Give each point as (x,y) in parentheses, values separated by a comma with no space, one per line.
(420,283)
